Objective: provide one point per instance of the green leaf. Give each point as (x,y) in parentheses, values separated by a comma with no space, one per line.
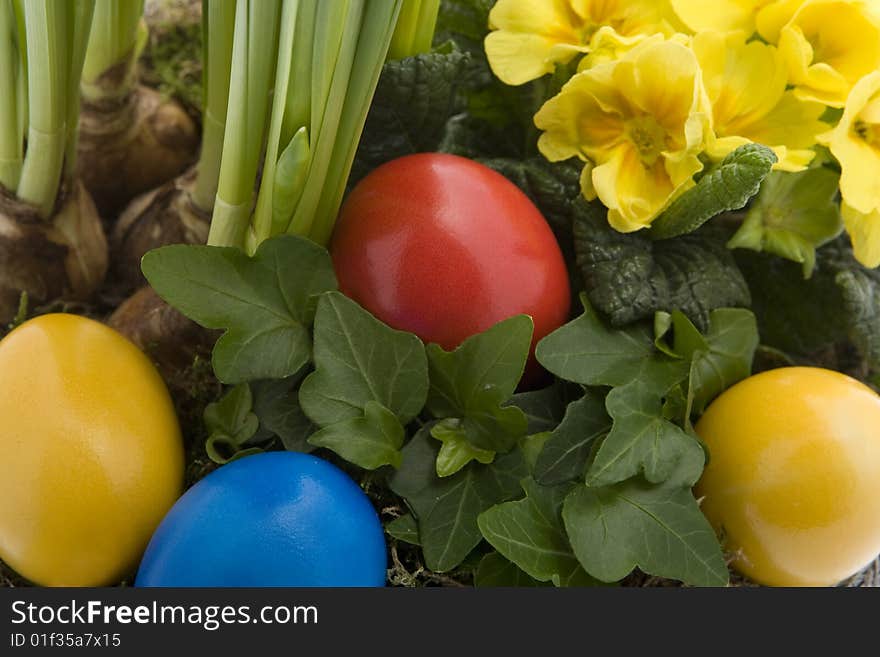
(266,303)
(793,215)
(779,292)
(358,359)
(565,454)
(643,441)
(860,288)
(730,342)
(659,529)
(276,403)
(629,277)
(530,533)
(840,302)
(543,408)
(414,99)
(472,382)
(230,424)
(369,441)
(456,452)
(447,508)
(496,571)
(532,446)
(586,351)
(405,528)
(727,186)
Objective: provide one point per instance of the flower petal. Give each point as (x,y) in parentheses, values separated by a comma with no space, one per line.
(864,232)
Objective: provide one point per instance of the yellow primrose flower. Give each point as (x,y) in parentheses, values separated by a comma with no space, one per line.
(638,125)
(746,87)
(828,45)
(855,142)
(530,37)
(864,232)
(720,15)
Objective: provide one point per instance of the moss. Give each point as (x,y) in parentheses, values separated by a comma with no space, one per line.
(172,59)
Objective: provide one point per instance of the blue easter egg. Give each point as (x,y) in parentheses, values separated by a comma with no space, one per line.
(273,519)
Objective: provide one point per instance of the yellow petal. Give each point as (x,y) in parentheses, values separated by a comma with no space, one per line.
(724,15)
(660,79)
(864,232)
(581,119)
(517,58)
(859,160)
(774,16)
(744,81)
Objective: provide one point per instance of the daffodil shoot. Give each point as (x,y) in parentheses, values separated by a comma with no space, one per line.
(493,293)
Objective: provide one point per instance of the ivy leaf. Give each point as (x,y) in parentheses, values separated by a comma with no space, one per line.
(659,529)
(643,441)
(545,408)
(793,215)
(456,451)
(369,441)
(231,424)
(405,529)
(585,351)
(414,99)
(472,382)
(565,454)
(629,277)
(727,186)
(266,302)
(276,403)
(731,342)
(447,508)
(358,359)
(496,571)
(530,533)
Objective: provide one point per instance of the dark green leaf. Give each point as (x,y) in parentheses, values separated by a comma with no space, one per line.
(265,303)
(630,277)
(370,441)
(793,215)
(532,446)
(659,529)
(472,382)
(358,359)
(530,533)
(231,424)
(414,99)
(543,408)
(565,454)
(642,441)
(731,342)
(276,403)
(860,288)
(588,352)
(404,529)
(447,508)
(727,186)
(496,571)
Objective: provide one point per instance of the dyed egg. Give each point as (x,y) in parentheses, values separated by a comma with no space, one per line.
(91,456)
(273,519)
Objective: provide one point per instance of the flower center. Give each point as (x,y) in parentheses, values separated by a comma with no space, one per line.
(867,132)
(648,137)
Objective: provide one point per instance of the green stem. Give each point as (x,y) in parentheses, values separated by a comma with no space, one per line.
(11,135)
(118,36)
(218,23)
(263,213)
(82,26)
(372,47)
(414,33)
(335,68)
(253,65)
(49,26)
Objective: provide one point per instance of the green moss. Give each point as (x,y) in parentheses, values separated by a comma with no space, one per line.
(172,59)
